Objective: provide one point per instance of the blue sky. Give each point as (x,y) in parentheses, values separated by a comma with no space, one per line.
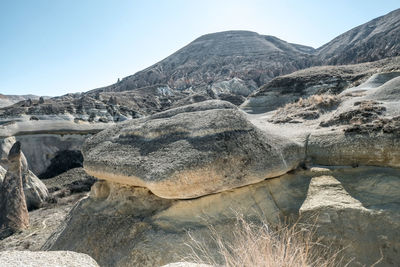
(53,47)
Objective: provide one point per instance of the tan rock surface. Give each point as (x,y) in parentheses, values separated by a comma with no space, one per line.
(189,152)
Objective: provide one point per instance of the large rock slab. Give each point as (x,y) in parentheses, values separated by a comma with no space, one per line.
(42,259)
(189,152)
(357,214)
(35,190)
(354,149)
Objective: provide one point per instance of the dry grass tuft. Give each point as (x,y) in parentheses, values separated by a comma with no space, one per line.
(253,244)
(315,101)
(306,108)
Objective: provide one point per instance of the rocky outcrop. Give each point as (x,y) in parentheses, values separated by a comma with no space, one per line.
(214,148)
(319,80)
(50,147)
(8,100)
(35,191)
(38,259)
(71,182)
(364,129)
(349,217)
(143,223)
(341,148)
(244,58)
(14,212)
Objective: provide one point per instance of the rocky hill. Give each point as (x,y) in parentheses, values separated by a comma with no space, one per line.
(7,100)
(374,40)
(232,62)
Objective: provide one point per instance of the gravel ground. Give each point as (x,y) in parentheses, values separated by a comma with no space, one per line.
(43,222)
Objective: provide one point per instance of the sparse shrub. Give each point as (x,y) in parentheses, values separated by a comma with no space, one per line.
(259,244)
(315,101)
(306,108)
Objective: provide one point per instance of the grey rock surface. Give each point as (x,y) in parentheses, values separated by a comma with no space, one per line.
(14,212)
(43,259)
(353,216)
(190,151)
(320,80)
(35,191)
(218,57)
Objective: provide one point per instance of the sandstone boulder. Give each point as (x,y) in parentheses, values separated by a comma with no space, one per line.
(190,151)
(42,259)
(358,216)
(35,190)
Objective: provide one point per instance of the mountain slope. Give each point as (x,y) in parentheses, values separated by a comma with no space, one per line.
(251,58)
(374,40)
(8,100)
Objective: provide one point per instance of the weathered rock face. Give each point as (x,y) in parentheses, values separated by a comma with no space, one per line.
(143,223)
(374,40)
(50,146)
(95,107)
(364,129)
(190,152)
(14,213)
(341,148)
(245,58)
(2,174)
(319,80)
(8,100)
(35,191)
(359,214)
(50,154)
(40,258)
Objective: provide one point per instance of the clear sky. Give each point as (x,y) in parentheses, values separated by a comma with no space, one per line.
(53,47)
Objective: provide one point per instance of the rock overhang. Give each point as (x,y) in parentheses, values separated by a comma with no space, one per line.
(190,151)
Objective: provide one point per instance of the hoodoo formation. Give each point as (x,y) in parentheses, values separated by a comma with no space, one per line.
(14,212)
